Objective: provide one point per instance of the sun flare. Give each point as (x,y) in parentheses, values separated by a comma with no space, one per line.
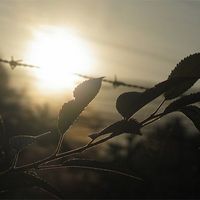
(59,53)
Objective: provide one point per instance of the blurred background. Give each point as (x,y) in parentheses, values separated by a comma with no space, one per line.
(139,42)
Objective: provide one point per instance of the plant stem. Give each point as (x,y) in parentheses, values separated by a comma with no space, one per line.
(80,149)
(152,116)
(55,157)
(59,144)
(53,167)
(39,162)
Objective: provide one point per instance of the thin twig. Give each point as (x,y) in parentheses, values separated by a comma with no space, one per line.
(153,114)
(55,157)
(53,167)
(79,150)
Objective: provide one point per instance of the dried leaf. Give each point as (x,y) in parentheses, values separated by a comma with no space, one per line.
(193,113)
(187,72)
(123,126)
(129,103)
(183,101)
(84,94)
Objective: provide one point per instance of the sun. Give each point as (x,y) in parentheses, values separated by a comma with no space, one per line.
(60,54)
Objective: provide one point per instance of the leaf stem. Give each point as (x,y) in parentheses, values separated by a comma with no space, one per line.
(152,116)
(39,162)
(55,157)
(80,149)
(52,167)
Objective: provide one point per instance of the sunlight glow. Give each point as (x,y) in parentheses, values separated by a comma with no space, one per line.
(60,54)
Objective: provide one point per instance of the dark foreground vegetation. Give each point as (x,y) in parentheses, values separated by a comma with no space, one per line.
(161,162)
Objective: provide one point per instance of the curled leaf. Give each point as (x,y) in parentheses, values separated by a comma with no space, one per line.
(193,113)
(183,101)
(84,94)
(129,103)
(186,73)
(123,126)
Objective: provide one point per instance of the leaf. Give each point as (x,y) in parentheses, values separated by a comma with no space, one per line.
(187,72)
(86,91)
(129,103)
(193,113)
(179,88)
(123,126)
(101,166)
(183,101)
(84,94)
(22,141)
(18,180)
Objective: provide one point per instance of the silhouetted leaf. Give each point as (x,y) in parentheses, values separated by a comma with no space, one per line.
(101,166)
(193,113)
(129,103)
(86,91)
(84,94)
(180,87)
(183,101)
(187,72)
(20,180)
(123,126)
(22,141)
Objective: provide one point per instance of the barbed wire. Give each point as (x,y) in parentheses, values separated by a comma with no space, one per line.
(14,63)
(115,83)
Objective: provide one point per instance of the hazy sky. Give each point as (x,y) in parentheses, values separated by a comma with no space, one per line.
(142,37)
(136,40)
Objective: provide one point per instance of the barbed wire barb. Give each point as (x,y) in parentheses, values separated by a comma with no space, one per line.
(14,63)
(115,83)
